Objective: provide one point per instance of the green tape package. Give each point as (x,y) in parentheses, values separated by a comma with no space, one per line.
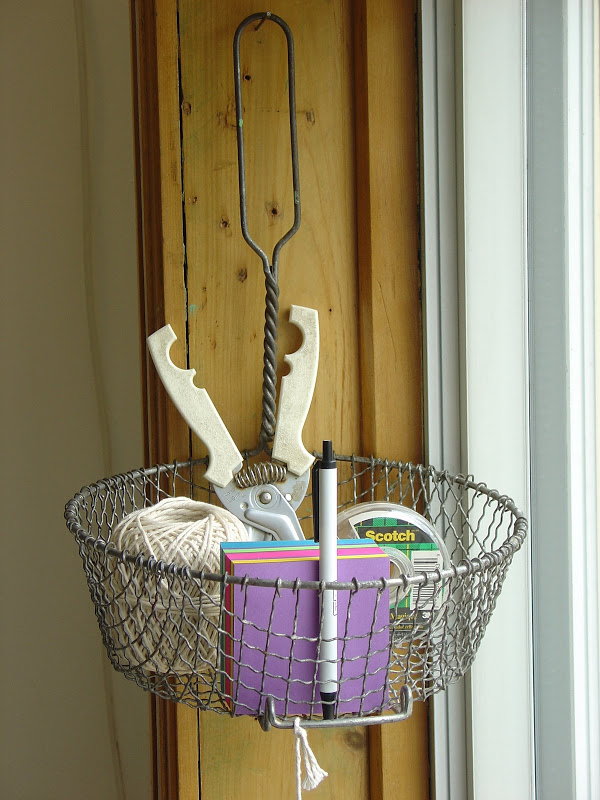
(413,545)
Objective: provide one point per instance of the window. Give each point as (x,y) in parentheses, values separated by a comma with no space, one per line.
(508,225)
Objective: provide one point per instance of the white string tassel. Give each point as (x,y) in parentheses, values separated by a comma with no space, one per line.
(314,773)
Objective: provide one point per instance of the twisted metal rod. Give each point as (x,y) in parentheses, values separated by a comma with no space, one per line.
(269,401)
(270,267)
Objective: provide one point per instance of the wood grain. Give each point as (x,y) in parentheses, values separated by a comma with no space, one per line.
(225,279)
(226,285)
(162,300)
(389,280)
(355,259)
(388,228)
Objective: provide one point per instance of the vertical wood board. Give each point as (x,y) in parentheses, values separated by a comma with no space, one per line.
(226,284)
(225,277)
(389,281)
(163,300)
(355,259)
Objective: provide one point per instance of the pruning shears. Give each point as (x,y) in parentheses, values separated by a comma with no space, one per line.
(265,497)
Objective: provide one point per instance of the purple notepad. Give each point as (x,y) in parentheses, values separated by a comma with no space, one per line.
(271,639)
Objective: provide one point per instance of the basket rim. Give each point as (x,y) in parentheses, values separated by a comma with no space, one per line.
(465,567)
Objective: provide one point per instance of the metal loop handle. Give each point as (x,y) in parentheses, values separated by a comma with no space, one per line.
(402,711)
(267,430)
(262,17)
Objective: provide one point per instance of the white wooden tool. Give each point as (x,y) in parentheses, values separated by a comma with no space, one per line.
(296,394)
(197,409)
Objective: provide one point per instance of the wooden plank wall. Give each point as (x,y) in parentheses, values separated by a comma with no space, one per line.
(355,259)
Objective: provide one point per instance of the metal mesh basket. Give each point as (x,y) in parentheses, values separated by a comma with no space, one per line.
(171,631)
(191,637)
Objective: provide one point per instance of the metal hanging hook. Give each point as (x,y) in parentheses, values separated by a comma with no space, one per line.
(262,17)
(270,266)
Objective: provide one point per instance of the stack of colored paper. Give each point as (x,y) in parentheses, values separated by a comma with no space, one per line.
(271,642)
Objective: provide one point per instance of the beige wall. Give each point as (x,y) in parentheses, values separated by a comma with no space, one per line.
(70,390)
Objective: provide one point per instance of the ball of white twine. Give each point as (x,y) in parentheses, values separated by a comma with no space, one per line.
(169,623)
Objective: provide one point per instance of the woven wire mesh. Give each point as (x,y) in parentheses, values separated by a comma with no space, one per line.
(186,635)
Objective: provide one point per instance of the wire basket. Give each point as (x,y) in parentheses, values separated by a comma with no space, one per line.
(171,631)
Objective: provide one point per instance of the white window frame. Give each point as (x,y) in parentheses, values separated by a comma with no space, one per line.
(563,89)
(501,733)
(474,154)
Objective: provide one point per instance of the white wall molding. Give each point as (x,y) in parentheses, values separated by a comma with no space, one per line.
(474,176)
(441,333)
(564,435)
(495,410)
